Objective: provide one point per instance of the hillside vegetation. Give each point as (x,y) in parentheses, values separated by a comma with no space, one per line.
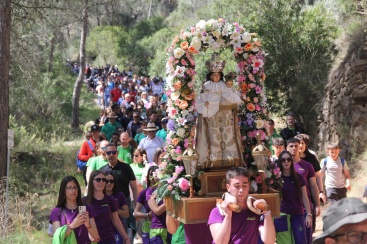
(303,41)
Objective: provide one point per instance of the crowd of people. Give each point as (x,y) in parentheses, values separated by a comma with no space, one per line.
(124,148)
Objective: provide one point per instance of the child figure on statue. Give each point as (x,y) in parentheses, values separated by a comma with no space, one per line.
(218,136)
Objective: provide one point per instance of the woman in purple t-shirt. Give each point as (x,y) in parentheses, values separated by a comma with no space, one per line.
(294,200)
(141,202)
(112,189)
(106,209)
(158,230)
(66,213)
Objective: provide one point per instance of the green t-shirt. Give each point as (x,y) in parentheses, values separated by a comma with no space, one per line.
(138,170)
(138,137)
(95,163)
(162,134)
(124,154)
(179,236)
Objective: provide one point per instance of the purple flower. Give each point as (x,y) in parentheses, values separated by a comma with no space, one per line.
(171,125)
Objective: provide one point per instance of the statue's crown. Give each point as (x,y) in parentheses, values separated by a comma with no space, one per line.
(215,64)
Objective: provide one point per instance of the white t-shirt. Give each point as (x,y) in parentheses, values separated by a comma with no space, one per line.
(334,177)
(150,145)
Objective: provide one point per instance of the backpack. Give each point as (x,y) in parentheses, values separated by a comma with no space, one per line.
(342,159)
(83,164)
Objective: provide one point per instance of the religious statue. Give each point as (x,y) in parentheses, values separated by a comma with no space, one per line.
(218,139)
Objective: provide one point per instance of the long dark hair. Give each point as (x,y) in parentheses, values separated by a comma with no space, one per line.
(91,187)
(115,188)
(210,73)
(62,196)
(292,170)
(150,174)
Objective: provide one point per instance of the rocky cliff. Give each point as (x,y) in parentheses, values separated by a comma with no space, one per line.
(343,115)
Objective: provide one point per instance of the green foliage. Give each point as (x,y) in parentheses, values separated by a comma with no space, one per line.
(134,53)
(102,44)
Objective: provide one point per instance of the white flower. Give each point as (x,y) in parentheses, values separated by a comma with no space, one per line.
(184,112)
(236,42)
(196,43)
(186,34)
(191,108)
(180,70)
(216,33)
(225,31)
(201,24)
(235,35)
(214,23)
(181,120)
(180,132)
(207,39)
(245,55)
(215,45)
(175,95)
(246,37)
(178,52)
(221,41)
(259,123)
(255,49)
(169,80)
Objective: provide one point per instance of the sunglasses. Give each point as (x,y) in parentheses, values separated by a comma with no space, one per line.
(111,152)
(136,117)
(110,181)
(104,148)
(100,179)
(283,160)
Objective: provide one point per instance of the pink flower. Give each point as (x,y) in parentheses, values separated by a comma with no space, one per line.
(256,99)
(257,107)
(251,77)
(170,188)
(258,89)
(183,184)
(183,62)
(168,92)
(170,181)
(241,78)
(178,150)
(190,84)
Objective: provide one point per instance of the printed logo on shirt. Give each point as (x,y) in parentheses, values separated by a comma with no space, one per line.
(301,169)
(105,205)
(251,218)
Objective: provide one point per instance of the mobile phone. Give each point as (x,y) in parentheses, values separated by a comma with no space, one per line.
(82,209)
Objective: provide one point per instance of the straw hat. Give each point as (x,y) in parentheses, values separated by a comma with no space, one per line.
(151,127)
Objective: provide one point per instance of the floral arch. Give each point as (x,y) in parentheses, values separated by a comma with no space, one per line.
(247,50)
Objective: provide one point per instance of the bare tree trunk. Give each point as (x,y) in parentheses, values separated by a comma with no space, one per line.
(4,82)
(79,81)
(52,50)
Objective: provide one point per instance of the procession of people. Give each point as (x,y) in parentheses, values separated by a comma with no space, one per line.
(126,147)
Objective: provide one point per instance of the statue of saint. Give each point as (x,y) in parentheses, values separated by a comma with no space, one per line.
(218,139)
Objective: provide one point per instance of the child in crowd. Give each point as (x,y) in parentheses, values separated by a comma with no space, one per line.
(278,147)
(337,177)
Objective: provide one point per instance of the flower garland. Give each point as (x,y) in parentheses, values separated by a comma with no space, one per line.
(216,35)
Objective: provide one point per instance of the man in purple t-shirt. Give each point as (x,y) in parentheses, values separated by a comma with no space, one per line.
(244,227)
(307,171)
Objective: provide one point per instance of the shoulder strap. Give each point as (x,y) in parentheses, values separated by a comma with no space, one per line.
(343,162)
(90,145)
(324,160)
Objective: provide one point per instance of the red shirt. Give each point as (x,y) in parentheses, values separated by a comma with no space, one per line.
(115,94)
(85,152)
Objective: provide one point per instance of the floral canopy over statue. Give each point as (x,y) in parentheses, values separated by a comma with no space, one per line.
(252,113)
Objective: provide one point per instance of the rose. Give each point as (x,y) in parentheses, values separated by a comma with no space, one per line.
(178,52)
(196,43)
(192,49)
(175,141)
(247,47)
(246,37)
(183,105)
(177,85)
(170,188)
(184,45)
(250,107)
(183,184)
(181,132)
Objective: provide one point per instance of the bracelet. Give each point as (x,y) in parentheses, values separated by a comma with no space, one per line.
(267,212)
(309,214)
(147,216)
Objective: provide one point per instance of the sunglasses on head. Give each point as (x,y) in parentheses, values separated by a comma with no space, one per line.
(110,181)
(283,160)
(100,179)
(111,152)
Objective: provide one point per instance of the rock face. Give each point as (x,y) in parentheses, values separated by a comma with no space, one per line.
(343,115)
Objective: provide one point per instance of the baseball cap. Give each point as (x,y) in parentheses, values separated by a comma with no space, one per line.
(94,128)
(345,211)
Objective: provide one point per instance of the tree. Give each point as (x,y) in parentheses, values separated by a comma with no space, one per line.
(4,81)
(79,80)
